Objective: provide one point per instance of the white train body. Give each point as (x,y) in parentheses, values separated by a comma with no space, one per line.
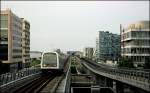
(52,61)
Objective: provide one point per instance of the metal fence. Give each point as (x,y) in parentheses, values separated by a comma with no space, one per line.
(9,77)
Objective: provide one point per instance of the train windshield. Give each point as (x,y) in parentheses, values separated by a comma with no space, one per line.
(49,60)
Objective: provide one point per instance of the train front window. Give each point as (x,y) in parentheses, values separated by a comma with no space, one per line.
(49,60)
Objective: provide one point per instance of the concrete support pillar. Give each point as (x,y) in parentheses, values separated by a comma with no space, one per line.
(84,70)
(88,72)
(119,87)
(102,81)
(99,80)
(109,82)
(114,85)
(93,78)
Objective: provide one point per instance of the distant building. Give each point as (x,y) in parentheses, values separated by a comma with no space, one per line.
(79,54)
(135,42)
(76,53)
(58,50)
(14,41)
(25,42)
(35,54)
(107,46)
(88,52)
(70,52)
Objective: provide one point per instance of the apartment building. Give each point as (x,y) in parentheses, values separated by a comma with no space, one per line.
(88,52)
(25,43)
(135,42)
(11,40)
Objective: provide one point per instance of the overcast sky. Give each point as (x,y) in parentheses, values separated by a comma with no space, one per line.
(74,25)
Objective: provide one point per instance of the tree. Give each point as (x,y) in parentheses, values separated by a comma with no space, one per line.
(34,62)
(125,62)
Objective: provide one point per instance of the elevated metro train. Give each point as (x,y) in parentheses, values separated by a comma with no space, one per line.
(53,62)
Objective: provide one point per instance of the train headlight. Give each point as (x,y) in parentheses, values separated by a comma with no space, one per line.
(44,65)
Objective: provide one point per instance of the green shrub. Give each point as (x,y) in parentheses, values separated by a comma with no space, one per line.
(125,62)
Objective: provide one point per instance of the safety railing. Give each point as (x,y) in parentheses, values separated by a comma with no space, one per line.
(138,78)
(139,75)
(8,77)
(68,79)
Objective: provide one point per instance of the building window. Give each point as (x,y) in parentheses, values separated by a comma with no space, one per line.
(3,35)
(4,24)
(4,17)
(3,52)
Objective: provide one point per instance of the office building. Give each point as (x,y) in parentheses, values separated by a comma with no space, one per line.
(107,46)
(135,42)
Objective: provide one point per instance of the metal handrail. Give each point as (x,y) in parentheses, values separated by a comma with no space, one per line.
(8,77)
(126,72)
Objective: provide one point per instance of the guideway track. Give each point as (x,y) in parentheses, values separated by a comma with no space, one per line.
(35,86)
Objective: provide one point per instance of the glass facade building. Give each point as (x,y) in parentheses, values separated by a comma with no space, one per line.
(107,46)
